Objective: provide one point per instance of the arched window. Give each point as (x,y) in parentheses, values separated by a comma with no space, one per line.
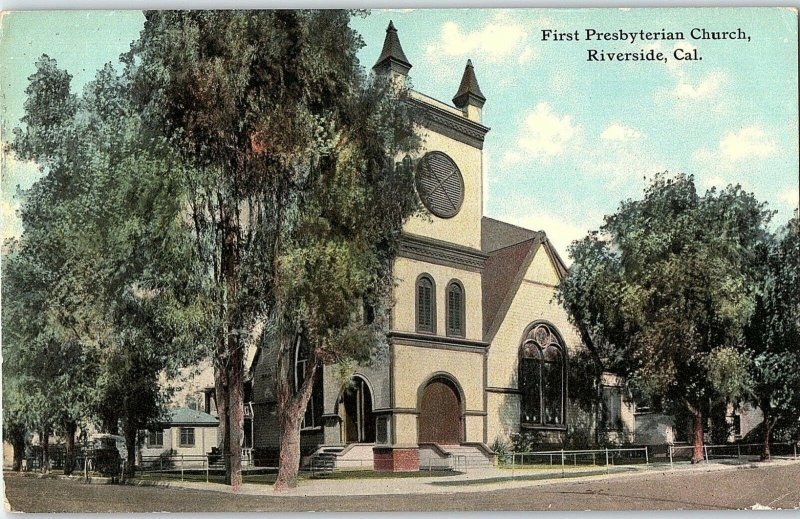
(426,304)
(542,378)
(456,327)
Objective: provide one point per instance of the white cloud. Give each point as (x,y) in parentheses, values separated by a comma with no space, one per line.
(620,133)
(544,134)
(694,94)
(501,38)
(790,197)
(511,158)
(705,88)
(14,174)
(527,54)
(9,223)
(623,169)
(716,181)
(747,143)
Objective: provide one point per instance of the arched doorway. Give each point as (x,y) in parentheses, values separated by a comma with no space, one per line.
(440,413)
(355,411)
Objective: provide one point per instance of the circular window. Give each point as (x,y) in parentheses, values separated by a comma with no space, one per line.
(439,184)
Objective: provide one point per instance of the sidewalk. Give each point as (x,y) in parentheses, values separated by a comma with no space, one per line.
(477,480)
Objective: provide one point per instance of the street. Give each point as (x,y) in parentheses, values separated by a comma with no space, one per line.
(773,486)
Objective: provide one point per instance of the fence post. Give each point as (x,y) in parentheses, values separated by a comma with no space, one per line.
(795,450)
(671,466)
(207,462)
(738,453)
(705,451)
(606,460)
(646,456)
(181,467)
(562,463)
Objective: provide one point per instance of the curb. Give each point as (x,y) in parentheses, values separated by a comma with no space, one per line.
(95,480)
(427,486)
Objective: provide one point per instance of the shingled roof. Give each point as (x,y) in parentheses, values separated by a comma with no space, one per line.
(186,416)
(511,250)
(392,55)
(468,90)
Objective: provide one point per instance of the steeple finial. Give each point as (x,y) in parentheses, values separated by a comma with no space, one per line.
(469,93)
(392,56)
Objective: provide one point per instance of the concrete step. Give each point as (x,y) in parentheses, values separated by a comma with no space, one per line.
(473,456)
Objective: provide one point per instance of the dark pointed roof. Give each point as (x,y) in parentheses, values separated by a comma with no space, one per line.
(392,55)
(468,91)
(511,251)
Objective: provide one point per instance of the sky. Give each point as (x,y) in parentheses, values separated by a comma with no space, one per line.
(569,138)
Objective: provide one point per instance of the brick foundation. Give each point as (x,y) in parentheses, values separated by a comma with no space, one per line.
(388,459)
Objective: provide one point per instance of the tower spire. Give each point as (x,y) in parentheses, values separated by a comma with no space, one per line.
(392,57)
(469,93)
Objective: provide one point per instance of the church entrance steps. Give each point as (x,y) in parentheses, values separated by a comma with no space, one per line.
(459,457)
(351,456)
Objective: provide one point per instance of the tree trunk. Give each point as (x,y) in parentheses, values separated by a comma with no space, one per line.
(291,408)
(289,456)
(765,454)
(697,454)
(19,452)
(221,386)
(231,358)
(131,434)
(44,441)
(70,428)
(236,415)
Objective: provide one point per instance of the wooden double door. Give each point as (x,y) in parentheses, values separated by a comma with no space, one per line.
(440,415)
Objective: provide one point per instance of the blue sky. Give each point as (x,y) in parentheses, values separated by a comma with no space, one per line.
(569,139)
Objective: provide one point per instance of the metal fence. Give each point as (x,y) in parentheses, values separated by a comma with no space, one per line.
(567,459)
(738,452)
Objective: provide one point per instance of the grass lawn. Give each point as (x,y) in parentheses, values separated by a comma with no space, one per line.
(269,479)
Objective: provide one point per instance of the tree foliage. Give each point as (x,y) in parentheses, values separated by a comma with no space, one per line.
(665,288)
(772,336)
(90,256)
(289,182)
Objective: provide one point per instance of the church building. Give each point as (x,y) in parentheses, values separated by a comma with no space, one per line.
(478,348)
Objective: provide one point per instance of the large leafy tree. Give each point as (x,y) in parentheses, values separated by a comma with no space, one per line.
(665,288)
(334,260)
(90,256)
(773,333)
(289,150)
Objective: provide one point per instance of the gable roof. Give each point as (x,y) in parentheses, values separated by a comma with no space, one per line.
(186,416)
(496,234)
(511,251)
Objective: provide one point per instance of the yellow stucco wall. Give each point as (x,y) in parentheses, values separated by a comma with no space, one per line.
(414,366)
(533,302)
(541,269)
(406,272)
(465,227)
